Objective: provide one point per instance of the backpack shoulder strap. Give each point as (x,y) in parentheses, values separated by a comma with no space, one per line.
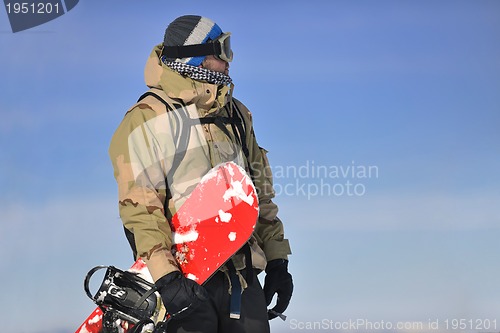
(152,93)
(159,99)
(240,123)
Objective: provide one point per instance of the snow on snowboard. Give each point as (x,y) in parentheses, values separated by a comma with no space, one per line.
(215,221)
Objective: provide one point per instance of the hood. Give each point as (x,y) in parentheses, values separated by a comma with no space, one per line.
(207,97)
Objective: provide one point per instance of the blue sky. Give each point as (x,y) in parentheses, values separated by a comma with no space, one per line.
(411,88)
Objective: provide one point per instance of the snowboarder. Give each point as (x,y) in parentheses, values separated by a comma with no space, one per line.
(187,123)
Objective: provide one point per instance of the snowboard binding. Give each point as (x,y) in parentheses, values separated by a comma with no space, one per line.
(124,296)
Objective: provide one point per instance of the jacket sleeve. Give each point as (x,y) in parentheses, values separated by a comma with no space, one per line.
(138,170)
(269,230)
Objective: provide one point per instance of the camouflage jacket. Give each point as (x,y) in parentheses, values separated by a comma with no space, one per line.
(153,184)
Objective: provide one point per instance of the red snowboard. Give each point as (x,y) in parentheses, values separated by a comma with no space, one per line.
(216,220)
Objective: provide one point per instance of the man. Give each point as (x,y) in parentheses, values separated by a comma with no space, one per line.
(159,155)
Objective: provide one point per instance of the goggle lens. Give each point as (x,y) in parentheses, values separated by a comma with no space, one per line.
(225,46)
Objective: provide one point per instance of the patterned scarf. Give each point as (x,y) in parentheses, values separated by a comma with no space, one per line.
(198,73)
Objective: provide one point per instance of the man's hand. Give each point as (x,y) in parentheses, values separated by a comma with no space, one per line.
(180,295)
(278,281)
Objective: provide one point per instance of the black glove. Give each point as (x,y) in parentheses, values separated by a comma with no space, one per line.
(278,281)
(180,295)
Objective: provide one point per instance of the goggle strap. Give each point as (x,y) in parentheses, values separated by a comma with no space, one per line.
(187,51)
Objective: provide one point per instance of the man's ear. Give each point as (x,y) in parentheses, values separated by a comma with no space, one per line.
(202,65)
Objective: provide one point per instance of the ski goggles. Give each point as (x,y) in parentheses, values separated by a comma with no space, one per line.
(219,47)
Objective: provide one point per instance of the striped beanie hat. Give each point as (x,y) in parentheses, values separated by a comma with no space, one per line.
(190,30)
